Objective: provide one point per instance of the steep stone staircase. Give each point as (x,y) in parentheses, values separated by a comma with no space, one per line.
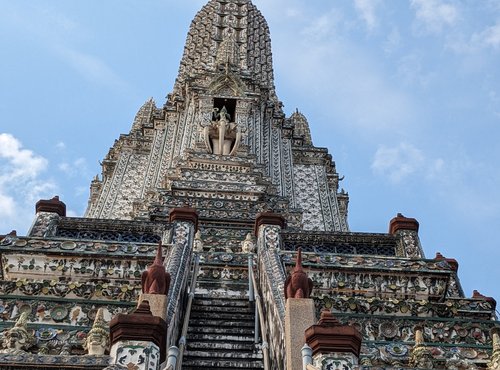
(221,330)
(221,335)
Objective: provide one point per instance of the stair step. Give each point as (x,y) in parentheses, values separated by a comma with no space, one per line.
(209,306)
(223,336)
(222,323)
(214,330)
(223,355)
(219,367)
(221,328)
(222,315)
(231,302)
(212,364)
(226,346)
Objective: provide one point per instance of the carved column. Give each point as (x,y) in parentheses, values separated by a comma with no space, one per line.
(48,212)
(299,313)
(138,339)
(407,230)
(334,345)
(494,363)
(184,225)
(272,280)
(155,285)
(53,205)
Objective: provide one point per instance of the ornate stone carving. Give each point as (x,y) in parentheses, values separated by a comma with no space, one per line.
(494,363)
(198,243)
(298,285)
(421,356)
(97,341)
(155,280)
(18,339)
(248,245)
(222,136)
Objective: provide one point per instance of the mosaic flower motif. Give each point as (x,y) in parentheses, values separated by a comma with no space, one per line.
(59,313)
(388,329)
(441,331)
(396,349)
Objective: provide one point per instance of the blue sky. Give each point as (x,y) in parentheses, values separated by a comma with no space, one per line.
(405,94)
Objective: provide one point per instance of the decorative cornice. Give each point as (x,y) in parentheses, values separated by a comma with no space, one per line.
(140,325)
(53,205)
(269,218)
(329,336)
(184,214)
(401,222)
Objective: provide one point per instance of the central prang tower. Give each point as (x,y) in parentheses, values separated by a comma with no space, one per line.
(223,120)
(248,231)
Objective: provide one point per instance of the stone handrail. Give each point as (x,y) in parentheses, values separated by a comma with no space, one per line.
(185,324)
(260,314)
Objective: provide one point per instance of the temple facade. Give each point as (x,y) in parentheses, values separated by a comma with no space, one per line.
(217,237)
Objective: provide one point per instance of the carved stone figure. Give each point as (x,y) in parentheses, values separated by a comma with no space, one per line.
(494,363)
(228,53)
(460,364)
(421,356)
(18,339)
(222,136)
(247,245)
(97,341)
(155,280)
(198,243)
(298,284)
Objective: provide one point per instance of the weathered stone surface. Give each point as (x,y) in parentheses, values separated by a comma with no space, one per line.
(252,170)
(299,315)
(53,205)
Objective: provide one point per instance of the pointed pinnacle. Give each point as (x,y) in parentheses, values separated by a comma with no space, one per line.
(298,263)
(159,256)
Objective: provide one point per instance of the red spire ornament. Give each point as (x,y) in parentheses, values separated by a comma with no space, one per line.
(155,280)
(298,284)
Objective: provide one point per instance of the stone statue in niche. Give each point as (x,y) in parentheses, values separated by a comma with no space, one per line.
(247,245)
(97,341)
(18,339)
(222,136)
(421,356)
(198,243)
(156,280)
(298,284)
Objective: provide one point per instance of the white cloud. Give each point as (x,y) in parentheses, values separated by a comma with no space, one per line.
(59,34)
(91,67)
(490,37)
(367,10)
(82,190)
(292,12)
(77,167)
(494,102)
(398,162)
(448,179)
(321,27)
(7,207)
(393,41)
(19,162)
(335,70)
(434,15)
(61,146)
(21,184)
(410,71)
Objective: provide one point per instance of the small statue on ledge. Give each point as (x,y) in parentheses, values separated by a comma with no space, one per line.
(17,340)
(248,245)
(298,284)
(156,280)
(222,136)
(97,341)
